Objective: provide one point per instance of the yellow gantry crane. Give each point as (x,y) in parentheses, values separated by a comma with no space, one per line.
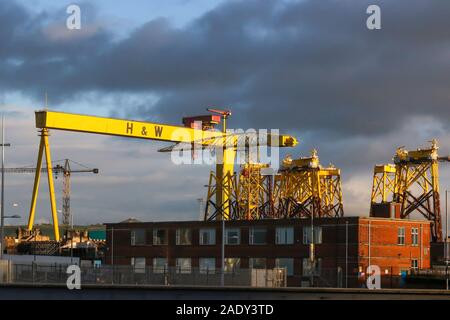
(188,134)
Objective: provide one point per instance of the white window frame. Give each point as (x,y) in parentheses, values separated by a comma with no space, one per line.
(401,235)
(155,236)
(227,230)
(209,270)
(317,234)
(281,232)
(277,265)
(181,267)
(251,234)
(415,236)
(178,238)
(415,264)
(159,269)
(212,234)
(138,267)
(133,237)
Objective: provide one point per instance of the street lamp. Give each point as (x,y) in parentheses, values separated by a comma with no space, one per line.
(2,201)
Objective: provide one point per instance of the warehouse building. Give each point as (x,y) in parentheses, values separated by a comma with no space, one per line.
(343,247)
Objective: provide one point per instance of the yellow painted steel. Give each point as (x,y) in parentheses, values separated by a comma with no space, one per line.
(254,194)
(51,187)
(224,176)
(417,185)
(304,188)
(44,147)
(383,185)
(37,179)
(413,182)
(136,129)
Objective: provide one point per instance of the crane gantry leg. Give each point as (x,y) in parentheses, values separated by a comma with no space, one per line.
(44,147)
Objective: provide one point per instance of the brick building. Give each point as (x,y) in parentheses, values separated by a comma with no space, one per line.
(344,247)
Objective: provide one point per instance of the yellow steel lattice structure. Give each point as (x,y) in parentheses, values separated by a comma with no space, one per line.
(249,194)
(304,188)
(413,182)
(383,183)
(254,196)
(417,185)
(214,209)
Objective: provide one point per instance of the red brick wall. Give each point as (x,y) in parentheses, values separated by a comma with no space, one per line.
(384,249)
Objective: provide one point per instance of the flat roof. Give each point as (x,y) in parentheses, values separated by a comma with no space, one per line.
(275,221)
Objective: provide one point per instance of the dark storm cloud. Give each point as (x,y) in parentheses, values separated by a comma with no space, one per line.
(307,65)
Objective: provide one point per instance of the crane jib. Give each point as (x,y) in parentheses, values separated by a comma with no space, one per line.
(136,129)
(144,129)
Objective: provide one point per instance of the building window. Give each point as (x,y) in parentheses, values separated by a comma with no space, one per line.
(184,237)
(311,268)
(207,265)
(232,236)
(183,265)
(257,263)
(414,264)
(287,263)
(284,235)
(207,237)
(159,236)
(232,264)
(138,264)
(137,237)
(307,235)
(401,236)
(257,236)
(159,265)
(415,236)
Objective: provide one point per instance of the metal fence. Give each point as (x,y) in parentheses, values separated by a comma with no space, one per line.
(128,275)
(390,277)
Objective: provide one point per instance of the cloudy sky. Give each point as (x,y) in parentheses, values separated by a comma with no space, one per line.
(309,68)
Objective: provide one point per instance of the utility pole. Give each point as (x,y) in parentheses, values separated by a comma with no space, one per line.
(224,115)
(311,250)
(3,145)
(112,254)
(222,273)
(346,254)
